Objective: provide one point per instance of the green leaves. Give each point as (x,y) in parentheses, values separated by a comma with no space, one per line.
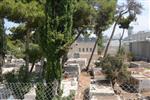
(105,15)
(16,47)
(83,15)
(114,67)
(19,32)
(17,11)
(34,53)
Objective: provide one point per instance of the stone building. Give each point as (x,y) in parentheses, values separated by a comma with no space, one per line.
(82,48)
(139,45)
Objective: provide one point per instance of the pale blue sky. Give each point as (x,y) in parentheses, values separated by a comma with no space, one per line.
(142,23)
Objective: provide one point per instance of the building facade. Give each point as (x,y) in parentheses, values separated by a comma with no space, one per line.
(139,45)
(83,47)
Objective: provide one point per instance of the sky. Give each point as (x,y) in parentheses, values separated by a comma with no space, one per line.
(142,23)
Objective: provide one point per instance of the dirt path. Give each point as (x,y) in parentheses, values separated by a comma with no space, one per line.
(84,83)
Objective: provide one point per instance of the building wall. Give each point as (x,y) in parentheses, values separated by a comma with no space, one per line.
(113,47)
(144,85)
(141,50)
(84,50)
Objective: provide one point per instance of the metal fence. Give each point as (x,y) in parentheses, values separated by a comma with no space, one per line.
(30,91)
(40,91)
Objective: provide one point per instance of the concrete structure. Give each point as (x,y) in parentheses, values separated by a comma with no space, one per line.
(71,70)
(69,86)
(81,61)
(138,64)
(140,78)
(141,82)
(98,74)
(101,90)
(82,48)
(139,45)
(13,64)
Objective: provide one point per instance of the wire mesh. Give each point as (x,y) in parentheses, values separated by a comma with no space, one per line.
(49,91)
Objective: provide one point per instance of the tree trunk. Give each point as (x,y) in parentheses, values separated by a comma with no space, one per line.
(42,68)
(120,40)
(27,48)
(112,34)
(90,59)
(65,58)
(2,46)
(33,63)
(113,83)
(109,41)
(76,37)
(1,64)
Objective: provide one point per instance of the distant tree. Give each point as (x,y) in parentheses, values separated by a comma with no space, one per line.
(124,23)
(19,33)
(104,17)
(15,47)
(114,68)
(35,54)
(83,18)
(132,8)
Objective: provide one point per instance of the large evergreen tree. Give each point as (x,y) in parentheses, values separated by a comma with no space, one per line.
(55,36)
(105,14)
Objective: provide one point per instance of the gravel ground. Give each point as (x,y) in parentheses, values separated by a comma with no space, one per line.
(84,83)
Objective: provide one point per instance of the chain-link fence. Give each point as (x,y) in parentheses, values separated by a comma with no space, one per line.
(32,91)
(41,91)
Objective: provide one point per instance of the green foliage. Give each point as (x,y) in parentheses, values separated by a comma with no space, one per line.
(34,53)
(19,33)
(56,34)
(114,68)
(41,92)
(83,15)
(125,22)
(105,14)
(121,51)
(16,47)
(20,11)
(130,56)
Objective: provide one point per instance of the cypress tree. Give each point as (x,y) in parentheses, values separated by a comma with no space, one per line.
(54,37)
